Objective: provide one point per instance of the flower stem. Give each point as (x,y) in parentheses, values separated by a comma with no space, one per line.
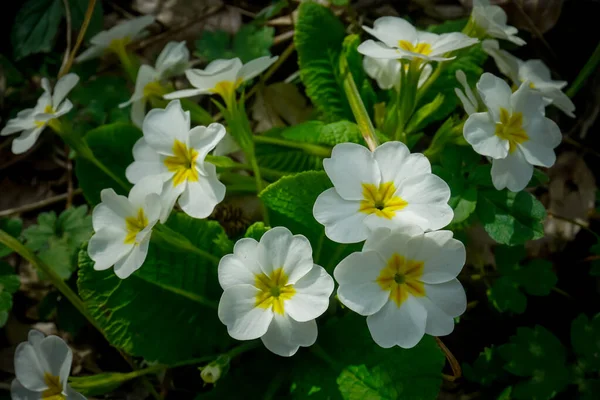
(118,47)
(590,66)
(230,164)
(86,22)
(56,280)
(314,149)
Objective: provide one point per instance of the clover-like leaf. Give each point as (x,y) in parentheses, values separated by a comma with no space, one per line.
(585,334)
(487,368)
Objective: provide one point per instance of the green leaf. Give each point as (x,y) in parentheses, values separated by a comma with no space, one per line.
(487,368)
(319,35)
(12,226)
(584,339)
(537,278)
(318,132)
(99,384)
(508,256)
(256,230)
(456,25)
(270,11)
(112,145)
(536,354)
(35,27)
(510,218)
(78,9)
(249,43)
(363,370)
(506,296)
(417,122)
(164,301)
(13,76)
(59,257)
(9,284)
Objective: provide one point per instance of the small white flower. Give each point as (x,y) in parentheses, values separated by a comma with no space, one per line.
(273,291)
(384,188)
(404,281)
(226,146)
(174,155)
(123,226)
(467,98)
(399,39)
(514,132)
(387,72)
(32,121)
(535,72)
(42,368)
(492,20)
(116,37)
(222,77)
(172,61)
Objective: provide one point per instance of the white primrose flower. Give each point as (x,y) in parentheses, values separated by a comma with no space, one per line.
(399,39)
(492,20)
(42,368)
(404,281)
(222,77)
(172,61)
(273,291)
(174,155)
(467,98)
(514,132)
(533,71)
(32,121)
(384,188)
(116,37)
(387,72)
(123,226)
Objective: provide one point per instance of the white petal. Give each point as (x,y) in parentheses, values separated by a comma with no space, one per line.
(107,247)
(349,167)
(480,132)
(172,59)
(397,164)
(449,296)
(138,112)
(180,94)
(312,295)
(26,141)
(255,67)
(162,127)
(443,256)
(535,70)
(19,392)
(23,121)
(528,102)
(204,139)
(147,162)
(438,322)
(466,103)
(104,217)
(495,93)
(169,196)
(119,204)
(391,30)
(386,242)
(133,261)
(544,135)
(358,290)
(385,72)
(90,53)
(285,336)
(142,189)
(506,62)
(241,267)
(238,311)
(58,357)
(35,337)
(28,368)
(278,248)
(343,222)
(512,172)
(378,50)
(448,42)
(402,326)
(560,100)
(427,197)
(63,87)
(200,198)
(73,395)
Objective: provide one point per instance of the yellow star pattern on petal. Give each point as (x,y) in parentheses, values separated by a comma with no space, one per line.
(274,290)
(381,200)
(510,128)
(401,278)
(182,163)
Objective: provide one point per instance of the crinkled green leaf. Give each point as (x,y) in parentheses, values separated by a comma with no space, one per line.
(510,218)
(537,277)
(59,256)
(585,334)
(12,226)
(35,27)
(256,230)
(162,302)
(487,368)
(318,132)
(9,284)
(249,43)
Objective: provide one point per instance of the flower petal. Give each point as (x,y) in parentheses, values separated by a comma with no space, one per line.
(117,203)
(26,141)
(443,256)
(134,260)
(480,132)
(180,94)
(285,336)
(204,139)
(512,172)
(29,369)
(449,296)
(162,127)
(438,322)
(147,162)
(343,222)
(104,217)
(241,267)
(402,326)
(312,295)
(359,290)
(238,311)
(452,41)
(169,196)
(278,248)
(19,392)
(528,102)
(107,247)
(145,187)
(390,30)
(388,242)
(58,357)
(544,135)
(495,93)
(199,198)
(255,67)
(378,50)
(63,86)
(397,164)
(427,197)
(349,167)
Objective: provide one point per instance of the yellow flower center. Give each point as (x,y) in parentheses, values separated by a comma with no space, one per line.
(47,110)
(118,45)
(154,89)
(510,128)
(381,201)
(401,278)
(226,89)
(182,163)
(420,48)
(135,225)
(55,390)
(274,290)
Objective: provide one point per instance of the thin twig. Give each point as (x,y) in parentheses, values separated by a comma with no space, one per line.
(285,36)
(456,370)
(69,33)
(582,225)
(534,28)
(38,204)
(80,36)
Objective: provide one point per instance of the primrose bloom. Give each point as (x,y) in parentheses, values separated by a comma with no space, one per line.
(514,132)
(273,291)
(468,99)
(387,72)
(32,121)
(533,71)
(42,368)
(174,155)
(492,21)
(116,38)
(222,77)
(400,40)
(172,61)
(404,281)
(123,226)
(385,188)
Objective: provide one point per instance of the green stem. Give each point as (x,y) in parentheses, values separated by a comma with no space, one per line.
(267,172)
(314,149)
(130,67)
(236,351)
(56,280)
(590,66)
(430,81)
